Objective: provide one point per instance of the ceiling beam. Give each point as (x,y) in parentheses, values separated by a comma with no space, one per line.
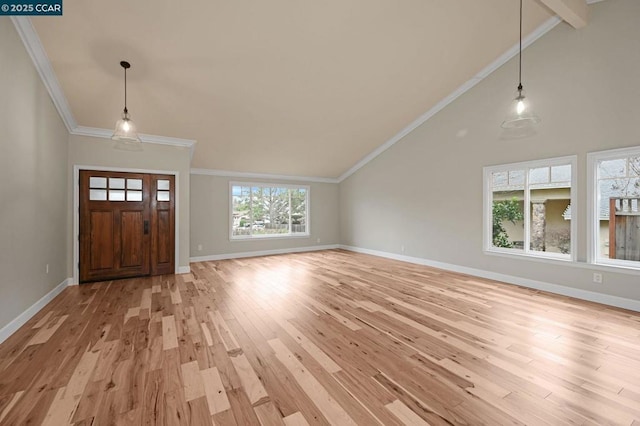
(574,12)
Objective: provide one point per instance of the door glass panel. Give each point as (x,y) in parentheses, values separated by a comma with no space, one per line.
(116,195)
(134,183)
(134,195)
(163,196)
(98,194)
(97,182)
(163,184)
(116,183)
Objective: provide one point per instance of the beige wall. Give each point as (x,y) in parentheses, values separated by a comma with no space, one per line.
(421,198)
(425,192)
(210,218)
(33,185)
(88,151)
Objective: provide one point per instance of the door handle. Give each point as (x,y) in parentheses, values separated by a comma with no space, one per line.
(146,227)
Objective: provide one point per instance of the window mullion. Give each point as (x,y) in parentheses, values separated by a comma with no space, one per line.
(251,211)
(290,225)
(527,213)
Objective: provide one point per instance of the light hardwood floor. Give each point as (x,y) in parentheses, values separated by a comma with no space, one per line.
(329,337)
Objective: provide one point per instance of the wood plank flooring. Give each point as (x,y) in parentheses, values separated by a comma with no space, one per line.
(328,337)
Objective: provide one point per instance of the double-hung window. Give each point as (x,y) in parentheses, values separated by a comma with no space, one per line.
(260,210)
(614,207)
(528,208)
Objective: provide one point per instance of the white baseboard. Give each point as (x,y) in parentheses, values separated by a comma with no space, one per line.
(183,270)
(262,253)
(577,293)
(21,319)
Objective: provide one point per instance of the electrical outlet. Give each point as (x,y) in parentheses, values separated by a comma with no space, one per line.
(597,277)
(199,247)
(402,249)
(47,268)
(318,240)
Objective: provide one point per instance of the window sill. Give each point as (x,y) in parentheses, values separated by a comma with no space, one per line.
(611,266)
(554,257)
(268,237)
(604,267)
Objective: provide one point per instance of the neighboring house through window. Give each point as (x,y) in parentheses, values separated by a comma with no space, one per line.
(261,210)
(614,210)
(527,208)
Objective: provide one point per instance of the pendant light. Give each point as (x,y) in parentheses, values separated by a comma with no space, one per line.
(125,128)
(520,114)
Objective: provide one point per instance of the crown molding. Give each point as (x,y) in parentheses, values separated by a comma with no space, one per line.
(40,59)
(36,51)
(228,173)
(502,59)
(154,139)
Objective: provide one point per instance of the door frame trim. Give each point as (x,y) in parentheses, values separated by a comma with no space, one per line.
(76,209)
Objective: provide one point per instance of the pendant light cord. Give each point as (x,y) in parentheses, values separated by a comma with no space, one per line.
(125,88)
(519,56)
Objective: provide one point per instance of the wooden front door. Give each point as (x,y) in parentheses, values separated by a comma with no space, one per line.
(126,225)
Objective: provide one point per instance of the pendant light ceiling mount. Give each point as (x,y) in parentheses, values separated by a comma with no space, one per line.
(125,128)
(520,114)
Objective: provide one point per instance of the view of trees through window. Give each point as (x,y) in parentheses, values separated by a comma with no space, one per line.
(531,207)
(618,209)
(263,211)
(528,207)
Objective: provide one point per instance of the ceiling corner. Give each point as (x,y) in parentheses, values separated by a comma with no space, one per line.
(41,61)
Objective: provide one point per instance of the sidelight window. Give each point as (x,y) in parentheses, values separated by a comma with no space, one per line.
(163,190)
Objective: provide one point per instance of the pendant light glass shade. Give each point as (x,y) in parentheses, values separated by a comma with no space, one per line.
(520,115)
(125,131)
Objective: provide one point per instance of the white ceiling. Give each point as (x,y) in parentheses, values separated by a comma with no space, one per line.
(290,88)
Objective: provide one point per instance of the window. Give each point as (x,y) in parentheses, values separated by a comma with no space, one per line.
(614,200)
(98,189)
(265,210)
(163,193)
(528,208)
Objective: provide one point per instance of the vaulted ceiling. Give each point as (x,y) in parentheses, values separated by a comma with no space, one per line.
(285,87)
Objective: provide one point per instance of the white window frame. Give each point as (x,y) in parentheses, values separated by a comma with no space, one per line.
(593,209)
(307,232)
(488,208)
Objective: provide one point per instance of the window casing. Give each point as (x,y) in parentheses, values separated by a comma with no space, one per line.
(545,227)
(263,210)
(614,207)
